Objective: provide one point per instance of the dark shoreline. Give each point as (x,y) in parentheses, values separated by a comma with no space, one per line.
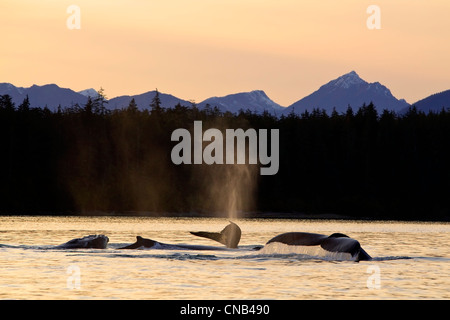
(242,215)
(360,164)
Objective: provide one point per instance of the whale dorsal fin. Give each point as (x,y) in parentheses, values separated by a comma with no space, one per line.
(140,242)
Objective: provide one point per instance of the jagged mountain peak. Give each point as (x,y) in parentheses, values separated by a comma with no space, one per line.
(348,89)
(347,80)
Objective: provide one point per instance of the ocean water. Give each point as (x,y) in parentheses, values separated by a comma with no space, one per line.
(411,261)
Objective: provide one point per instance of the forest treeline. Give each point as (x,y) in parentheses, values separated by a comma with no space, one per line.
(89,158)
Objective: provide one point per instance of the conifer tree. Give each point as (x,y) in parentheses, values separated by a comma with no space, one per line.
(132,106)
(155,105)
(99,102)
(25,105)
(7,103)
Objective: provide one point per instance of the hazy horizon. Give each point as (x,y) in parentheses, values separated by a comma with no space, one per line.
(198,49)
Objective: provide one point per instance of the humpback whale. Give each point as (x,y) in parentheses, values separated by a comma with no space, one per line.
(229,236)
(88,242)
(148,243)
(337,242)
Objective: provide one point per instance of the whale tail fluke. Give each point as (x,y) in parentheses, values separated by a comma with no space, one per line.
(229,236)
(363,255)
(216,236)
(341,242)
(337,242)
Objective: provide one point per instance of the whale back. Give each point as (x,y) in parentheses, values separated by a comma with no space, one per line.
(88,242)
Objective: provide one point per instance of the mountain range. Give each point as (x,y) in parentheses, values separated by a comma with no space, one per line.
(143,100)
(346,90)
(49,95)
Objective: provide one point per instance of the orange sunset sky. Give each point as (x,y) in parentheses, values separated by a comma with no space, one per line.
(195,49)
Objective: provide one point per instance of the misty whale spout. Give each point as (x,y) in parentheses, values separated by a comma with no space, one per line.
(88,242)
(337,242)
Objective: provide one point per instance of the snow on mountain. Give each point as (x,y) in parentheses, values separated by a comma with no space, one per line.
(346,90)
(257,101)
(89,93)
(346,81)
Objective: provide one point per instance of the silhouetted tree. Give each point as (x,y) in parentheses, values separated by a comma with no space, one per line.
(25,105)
(155,105)
(99,103)
(89,106)
(7,103)
(132,106)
